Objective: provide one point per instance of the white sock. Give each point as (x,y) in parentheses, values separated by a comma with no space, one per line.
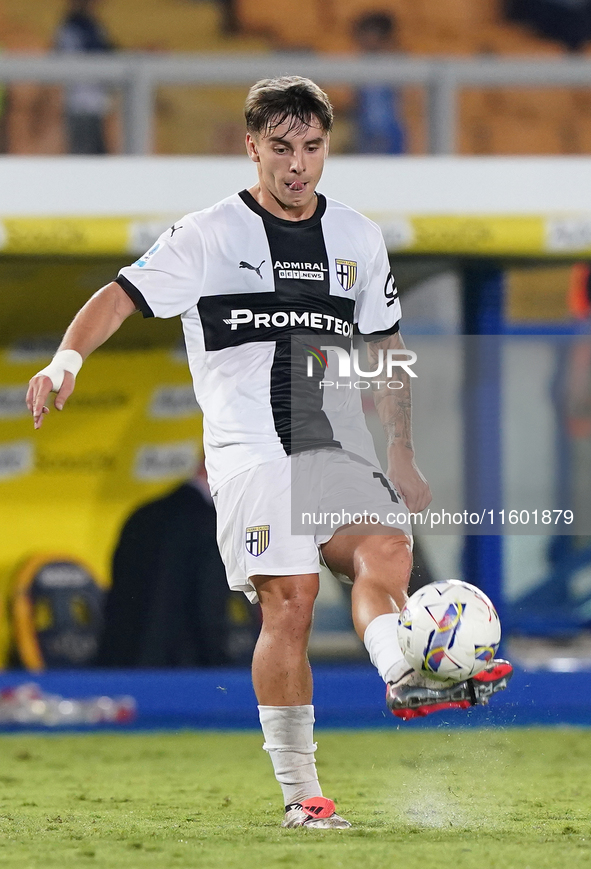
(381,641)
(289,739)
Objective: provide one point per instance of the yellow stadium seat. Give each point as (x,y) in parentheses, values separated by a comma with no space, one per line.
(552,104)
(526,137)
(296,28)
(511,39)
(168,25)
(583,135)
(414,112)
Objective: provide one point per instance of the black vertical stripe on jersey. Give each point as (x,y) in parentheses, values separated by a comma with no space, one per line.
(296,400)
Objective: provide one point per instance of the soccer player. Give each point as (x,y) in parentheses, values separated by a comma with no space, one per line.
(263,281)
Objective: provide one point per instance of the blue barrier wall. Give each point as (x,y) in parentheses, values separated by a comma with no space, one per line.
(344,697)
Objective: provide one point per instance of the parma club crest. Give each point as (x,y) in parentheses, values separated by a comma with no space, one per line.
(346,272)
(257,539)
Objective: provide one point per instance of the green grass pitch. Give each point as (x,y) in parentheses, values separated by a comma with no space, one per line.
(490,799)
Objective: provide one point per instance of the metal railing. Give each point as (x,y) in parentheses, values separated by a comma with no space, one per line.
(138,76)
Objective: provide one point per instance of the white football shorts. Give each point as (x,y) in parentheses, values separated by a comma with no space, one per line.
(272,518)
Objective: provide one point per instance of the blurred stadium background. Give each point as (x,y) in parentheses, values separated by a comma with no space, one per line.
(487,219)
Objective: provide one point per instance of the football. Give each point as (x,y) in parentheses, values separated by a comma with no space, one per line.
(449,630)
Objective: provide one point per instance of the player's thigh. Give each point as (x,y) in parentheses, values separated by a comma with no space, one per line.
(254,528)
(360,495)
(375,524)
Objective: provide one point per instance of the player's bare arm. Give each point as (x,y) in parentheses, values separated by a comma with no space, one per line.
(100,318)
(394,410)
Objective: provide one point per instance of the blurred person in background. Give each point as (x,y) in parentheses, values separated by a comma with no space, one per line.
(168,602)
(376,114)
(86,105)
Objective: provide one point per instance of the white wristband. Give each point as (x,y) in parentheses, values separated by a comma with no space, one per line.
(64,360)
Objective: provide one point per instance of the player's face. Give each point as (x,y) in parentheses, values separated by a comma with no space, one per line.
(289,163)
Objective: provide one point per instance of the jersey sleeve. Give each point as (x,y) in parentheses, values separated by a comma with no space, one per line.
(167,280)
(377,308)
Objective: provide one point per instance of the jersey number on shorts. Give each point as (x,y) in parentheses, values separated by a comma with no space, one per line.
(387,485)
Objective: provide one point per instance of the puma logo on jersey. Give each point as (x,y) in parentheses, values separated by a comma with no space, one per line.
(256,269)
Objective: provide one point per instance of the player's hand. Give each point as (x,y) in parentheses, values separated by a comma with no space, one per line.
(38,392)
(411,484)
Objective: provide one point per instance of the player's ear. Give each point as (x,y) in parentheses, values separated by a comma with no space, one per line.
(252,149)
(327,146)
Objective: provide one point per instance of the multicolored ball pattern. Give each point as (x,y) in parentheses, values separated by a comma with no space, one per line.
(449,631)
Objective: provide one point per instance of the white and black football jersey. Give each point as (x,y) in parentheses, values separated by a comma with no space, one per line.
(259,296)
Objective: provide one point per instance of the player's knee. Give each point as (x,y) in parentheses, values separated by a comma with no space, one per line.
(288,599)
(389,554)
(296,615)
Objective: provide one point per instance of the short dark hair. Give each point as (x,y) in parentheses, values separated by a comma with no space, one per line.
(272,101)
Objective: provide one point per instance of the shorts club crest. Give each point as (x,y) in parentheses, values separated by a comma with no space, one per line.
(346,272)
(257,539)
